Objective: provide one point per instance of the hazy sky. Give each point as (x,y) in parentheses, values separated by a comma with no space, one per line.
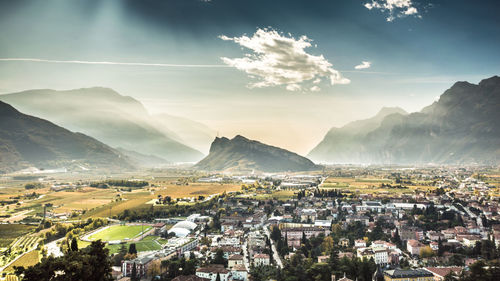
(282,72)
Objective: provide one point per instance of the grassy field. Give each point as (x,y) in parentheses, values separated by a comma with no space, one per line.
(9,232)
(141,246)
(370,185)
(120,232)
(195,189)
(25,260)
(139,198)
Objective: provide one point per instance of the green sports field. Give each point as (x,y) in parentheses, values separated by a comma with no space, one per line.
(120,232)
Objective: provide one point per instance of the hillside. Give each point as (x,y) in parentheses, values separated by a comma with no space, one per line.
(102,113)
(343,144)
(242,154)
(27,141)
(460,128)
(195,134)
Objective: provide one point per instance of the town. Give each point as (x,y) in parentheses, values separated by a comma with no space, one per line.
(344,223)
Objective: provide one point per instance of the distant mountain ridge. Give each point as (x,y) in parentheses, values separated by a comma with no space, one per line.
(104,114)
(242,154)
(342,144)
(27,141)
(460,128)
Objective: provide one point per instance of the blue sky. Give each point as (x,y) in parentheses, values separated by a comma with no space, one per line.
(413,58)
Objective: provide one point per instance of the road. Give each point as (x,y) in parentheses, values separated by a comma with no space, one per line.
(53,248)
(276,256)
(245,256)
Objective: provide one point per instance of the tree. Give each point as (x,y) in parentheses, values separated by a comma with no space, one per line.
(218,277)
(276,233)
(426,252)
(219,257)
(74,245)
(133,275)
(91,263)
(327,244)
(132,249)
(319,272)
(117,259)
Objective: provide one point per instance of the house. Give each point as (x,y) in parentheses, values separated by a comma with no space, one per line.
(189,278)
(344,242)
(409,274)
(360,243)
(159,228)
(381,256)
(413,247)
(239,272)
(261,259)
(441,272)
(211,271)
(365,253)
(308,215)
(341,279)
(141,265)
(323,259)
(234,260)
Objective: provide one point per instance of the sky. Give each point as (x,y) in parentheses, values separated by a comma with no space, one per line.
(283,71)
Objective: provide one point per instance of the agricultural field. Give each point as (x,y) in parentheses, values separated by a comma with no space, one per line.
(28,259)
(371,185)
(140,198)
(10,232)
(120,232)
(196,189)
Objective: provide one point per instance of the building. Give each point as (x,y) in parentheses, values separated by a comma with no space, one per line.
(189,278)
(381,256)
(141,265)
(261,259)
(365,253)
(240,273)
(182,228)
(211,271)
(307,215)
(234,260)
(360,243)
(440,272)
(413,247)
(408,275)
(344,242)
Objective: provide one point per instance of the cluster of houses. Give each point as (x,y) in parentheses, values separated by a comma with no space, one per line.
(243,236)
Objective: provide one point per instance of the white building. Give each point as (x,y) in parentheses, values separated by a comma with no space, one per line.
(261,259)
(211,272)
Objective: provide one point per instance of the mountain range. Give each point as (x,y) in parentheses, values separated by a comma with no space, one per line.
(118,121)
(460,128)
(27,141)
(242,154)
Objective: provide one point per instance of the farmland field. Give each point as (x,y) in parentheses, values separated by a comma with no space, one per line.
(120,232)
(139,198)
(370,185)
(9,232)
(25,260)
(196,189)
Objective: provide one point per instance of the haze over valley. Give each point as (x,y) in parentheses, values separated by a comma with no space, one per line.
(250,140)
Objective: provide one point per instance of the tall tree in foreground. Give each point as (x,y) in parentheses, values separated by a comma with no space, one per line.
(91,263)
(74,245)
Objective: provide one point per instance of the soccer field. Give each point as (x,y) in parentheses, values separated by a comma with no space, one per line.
(120,232)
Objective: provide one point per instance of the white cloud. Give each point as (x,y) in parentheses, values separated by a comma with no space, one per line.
(111,63)
(281,60)
(293,87)
(315,89)
(363,65)
(394,8)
